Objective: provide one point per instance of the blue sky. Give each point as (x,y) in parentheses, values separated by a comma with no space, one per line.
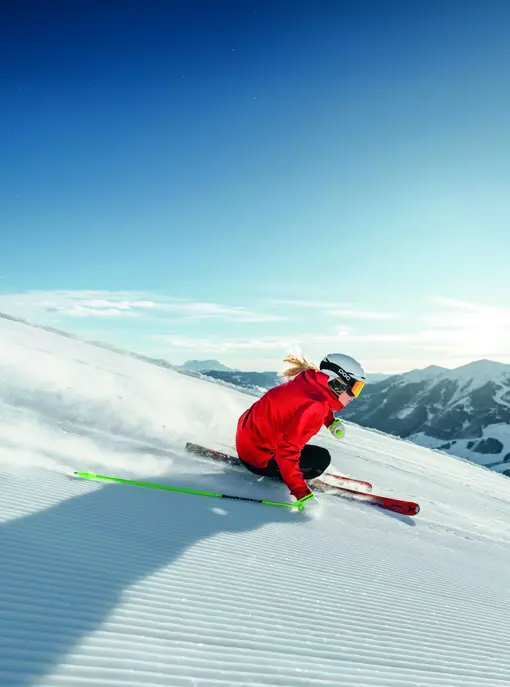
(231,180)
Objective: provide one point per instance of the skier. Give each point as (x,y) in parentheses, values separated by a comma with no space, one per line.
(272,434)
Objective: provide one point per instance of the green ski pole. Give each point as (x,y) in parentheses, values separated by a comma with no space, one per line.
(151,485)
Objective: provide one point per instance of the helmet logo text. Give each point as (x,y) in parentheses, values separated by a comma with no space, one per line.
(344,374)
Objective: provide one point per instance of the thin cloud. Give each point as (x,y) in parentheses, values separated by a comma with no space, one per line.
(396,337)
(466,314)
(204,310)
(466,329)
(459,305)
(454,329)
(277,342)
(345,310)
(455,333)
(120,305)
(81,311)
(105,304)
(318,305)
(351,314)
(215,345)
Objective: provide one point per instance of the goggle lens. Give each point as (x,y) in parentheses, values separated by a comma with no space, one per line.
(357,388)
(339,386)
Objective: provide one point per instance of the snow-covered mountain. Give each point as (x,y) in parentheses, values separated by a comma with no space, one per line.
(464,411)
(113,585)
(256,382)
(203,366)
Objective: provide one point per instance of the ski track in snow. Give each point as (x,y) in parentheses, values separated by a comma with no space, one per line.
(115,585)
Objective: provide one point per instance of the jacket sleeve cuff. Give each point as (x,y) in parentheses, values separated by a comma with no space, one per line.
(330,418)
(301,492)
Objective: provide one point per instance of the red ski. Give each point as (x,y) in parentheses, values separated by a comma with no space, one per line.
(338,480)
(395,505)
(348,482)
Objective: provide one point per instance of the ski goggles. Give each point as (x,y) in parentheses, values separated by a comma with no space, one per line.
(339,386)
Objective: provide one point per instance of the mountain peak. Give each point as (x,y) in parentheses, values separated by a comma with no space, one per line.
(486,365)
(424,374)
(483,370)
(201,365)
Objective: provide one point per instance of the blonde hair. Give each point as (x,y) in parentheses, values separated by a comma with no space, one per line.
(297,364)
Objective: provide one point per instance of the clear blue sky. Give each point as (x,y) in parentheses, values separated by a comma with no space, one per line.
(216,158)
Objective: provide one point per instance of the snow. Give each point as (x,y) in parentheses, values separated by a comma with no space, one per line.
(407,410)
(502,396)
(481,368)
(464,448)
(477,374)
(499,431)
(468,377)
(427,374)
(112,585)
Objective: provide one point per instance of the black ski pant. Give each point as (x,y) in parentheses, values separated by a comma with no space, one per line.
(313,461)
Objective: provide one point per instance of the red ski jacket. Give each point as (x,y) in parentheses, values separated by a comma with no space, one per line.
(282,421)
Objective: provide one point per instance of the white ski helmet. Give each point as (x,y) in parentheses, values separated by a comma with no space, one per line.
(344,372)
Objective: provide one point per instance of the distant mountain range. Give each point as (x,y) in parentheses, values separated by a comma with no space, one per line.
(464,411)
(254,382)
(203,365)
(251,381)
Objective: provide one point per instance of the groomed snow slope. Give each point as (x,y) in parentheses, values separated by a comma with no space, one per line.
(107,585)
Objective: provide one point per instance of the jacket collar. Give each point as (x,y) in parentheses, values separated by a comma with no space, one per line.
(320,380)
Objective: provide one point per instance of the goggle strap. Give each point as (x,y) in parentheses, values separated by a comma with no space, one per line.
(327,365)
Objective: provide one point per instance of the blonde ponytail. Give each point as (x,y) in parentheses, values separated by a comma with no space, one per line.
(297,364)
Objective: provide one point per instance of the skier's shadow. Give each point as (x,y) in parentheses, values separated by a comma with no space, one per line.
(64,569)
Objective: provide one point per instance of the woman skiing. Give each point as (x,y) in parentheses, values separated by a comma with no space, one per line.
(272,434)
